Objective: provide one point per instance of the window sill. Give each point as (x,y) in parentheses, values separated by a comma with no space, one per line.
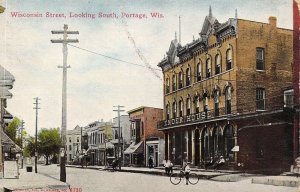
(260,71)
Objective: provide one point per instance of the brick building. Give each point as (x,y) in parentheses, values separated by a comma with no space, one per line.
(224,96)
(146,140)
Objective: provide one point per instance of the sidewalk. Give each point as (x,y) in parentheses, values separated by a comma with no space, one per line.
(214,175)
(32,181)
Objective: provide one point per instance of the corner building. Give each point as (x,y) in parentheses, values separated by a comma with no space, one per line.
(224,95)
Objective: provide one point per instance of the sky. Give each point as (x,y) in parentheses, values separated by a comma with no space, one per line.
(95,83)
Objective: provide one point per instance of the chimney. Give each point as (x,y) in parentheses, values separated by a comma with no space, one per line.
(273,21)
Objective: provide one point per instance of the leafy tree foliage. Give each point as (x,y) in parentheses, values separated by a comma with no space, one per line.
(49,142)
(12,128)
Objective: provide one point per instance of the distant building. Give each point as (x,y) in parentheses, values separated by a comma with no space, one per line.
(73,143)
(146,140)
(124,134)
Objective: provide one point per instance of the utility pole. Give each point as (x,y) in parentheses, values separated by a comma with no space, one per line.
(22,157)
(36,126)
(118,149)
(64,42)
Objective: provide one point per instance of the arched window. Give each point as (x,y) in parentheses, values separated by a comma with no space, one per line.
(180,80)
(174,108)
(167,85)
(199,71)
(205,105)
(216,101)
(208,68)
(188,106)
(205,144)
(167,111)
(229,141)
(197,105)
(218,141)
(228,99)
(174,82)
(218,64)
(188,76)
(180,106)
(229,59)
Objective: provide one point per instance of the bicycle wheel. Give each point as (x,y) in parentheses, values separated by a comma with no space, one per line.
(193,178)
(175,179)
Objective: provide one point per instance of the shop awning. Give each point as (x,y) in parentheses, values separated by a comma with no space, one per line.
(134,148)
(8,144)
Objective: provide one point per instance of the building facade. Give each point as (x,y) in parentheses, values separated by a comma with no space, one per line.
(124,135)
(146,140)
(74,144)
(224,96)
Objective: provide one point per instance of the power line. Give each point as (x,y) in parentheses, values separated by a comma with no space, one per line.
(113,58)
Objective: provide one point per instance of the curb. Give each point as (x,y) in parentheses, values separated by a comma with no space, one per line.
(275,182)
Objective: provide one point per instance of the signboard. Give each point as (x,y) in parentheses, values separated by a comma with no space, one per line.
(11,169)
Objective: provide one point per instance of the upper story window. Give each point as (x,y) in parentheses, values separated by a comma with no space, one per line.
(180,108)
(133,126)
(167,85)
(174,108)
(188,106)
(289,98)
(180,81)
(174,82)
(188,76)
(205,105)
(216,101)
(229,59)
(228,100)
(218,64)
(167,111)
(199,71)
(260,98)
(197,105)
(142,128)
(77,139)
(70,139)
(260,57)
(208,68)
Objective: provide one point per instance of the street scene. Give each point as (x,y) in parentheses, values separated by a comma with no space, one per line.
(149,95)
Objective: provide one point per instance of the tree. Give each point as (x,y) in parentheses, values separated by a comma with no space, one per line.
(30,146)
(49,142)
(12,128)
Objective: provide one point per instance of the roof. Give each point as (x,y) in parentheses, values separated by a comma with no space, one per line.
(141,108)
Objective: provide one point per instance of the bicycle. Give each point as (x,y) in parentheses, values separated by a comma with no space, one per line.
(175,178)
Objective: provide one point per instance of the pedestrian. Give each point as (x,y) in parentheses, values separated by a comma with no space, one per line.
(166,165)
(170,167)
(150,162)
(187,170)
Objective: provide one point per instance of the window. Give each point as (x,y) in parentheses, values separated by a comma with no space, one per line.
(216,101)
(77,139)
(218,64)
(168,111)
(205,105)
(180,103)
(197,105)
(208,68)
(188,76)
(260,59)
(180,80)
(117,136)
(167,86)
(229,59)
(70,139)
(174,106)
(70,147)
(142,130)
(199,72)
(260,99)
(228,100)
(188,106)
(174,83)
(70,157)
(289,98)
